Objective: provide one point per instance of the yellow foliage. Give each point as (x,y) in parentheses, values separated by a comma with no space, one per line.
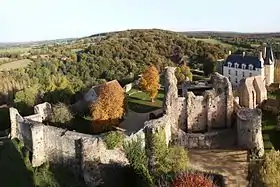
(108,110)
(149,81)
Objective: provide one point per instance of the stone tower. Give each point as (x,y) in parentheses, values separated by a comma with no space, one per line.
(268,65)
(249,130)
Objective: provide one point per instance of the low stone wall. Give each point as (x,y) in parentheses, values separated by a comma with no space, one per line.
(209,140)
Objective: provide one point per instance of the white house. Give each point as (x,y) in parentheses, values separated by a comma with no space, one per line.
(240,66)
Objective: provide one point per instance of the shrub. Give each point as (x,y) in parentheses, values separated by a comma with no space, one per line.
(192,180)
(113,139)
(137,158)
(61,115)
(168,159)
(270,170)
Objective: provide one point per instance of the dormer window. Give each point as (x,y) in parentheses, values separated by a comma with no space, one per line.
(229,64)
(236,65)
(243,66)
(251,67)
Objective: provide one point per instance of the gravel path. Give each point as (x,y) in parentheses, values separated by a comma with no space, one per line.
(230,163)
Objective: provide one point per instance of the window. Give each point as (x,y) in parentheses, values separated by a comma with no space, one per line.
(229,64)
(229,71)
(243,66)
(250,67)
(236,73)
(243,74)
(236,81)
(250,74)
(236,65)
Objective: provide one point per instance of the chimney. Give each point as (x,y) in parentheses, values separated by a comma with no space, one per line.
(229,53)
(243,54)
(261,56)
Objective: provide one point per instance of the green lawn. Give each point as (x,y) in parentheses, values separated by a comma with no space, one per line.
(271,137)
(140,102)
(213,41)
(16,170)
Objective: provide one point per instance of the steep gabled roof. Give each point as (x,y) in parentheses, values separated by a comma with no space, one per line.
(240,59)
(268,56)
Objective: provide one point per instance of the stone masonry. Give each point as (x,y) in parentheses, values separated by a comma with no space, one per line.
(212,110)
(252,92)
(249,130)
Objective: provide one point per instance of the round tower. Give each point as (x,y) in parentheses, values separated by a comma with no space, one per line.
(249,130)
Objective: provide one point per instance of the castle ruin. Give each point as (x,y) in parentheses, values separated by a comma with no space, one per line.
(192,121)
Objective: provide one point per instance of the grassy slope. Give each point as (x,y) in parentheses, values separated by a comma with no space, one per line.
(15,64)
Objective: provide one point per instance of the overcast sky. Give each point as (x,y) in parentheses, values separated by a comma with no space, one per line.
(29,20)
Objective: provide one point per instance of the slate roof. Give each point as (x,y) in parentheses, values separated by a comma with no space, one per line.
(268,56)
(240,59)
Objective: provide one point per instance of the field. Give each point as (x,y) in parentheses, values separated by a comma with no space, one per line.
(213,41)
(14,50)
(15,64)
(140,102)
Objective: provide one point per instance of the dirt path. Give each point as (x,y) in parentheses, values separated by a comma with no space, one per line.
(230,163)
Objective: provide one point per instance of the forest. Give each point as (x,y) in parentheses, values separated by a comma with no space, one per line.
(121,56)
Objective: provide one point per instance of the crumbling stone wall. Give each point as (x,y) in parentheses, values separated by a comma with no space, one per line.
(212,110)
(196,113)
(20,126)
(249,130)
(252,92)
(210,140)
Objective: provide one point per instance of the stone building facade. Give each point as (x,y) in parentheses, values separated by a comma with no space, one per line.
(240,66)
(252,92)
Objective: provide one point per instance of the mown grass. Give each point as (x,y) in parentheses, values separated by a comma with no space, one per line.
(271,136)
(213,41)
(16,170)
(140,102)
(15,64)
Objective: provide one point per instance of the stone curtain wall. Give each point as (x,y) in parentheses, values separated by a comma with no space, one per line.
(20,126)
(209,140)
(249,130)
(212,110)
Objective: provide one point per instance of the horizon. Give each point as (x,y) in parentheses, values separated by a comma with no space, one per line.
(191,31)
(52,20)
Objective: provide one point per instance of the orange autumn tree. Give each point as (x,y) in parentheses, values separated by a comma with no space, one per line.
(108,110)
(149,82)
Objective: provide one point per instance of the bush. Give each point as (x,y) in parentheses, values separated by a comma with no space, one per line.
(61,115)
(270,170)
(192,180)
(113,139)
(137,158)
(168,159)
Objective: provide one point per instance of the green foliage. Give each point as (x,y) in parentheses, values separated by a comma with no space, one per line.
(168,159)
(26,99)
(137,158)
(182,73)
(61,115)
(114,139)
(270,170)
(16,170)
